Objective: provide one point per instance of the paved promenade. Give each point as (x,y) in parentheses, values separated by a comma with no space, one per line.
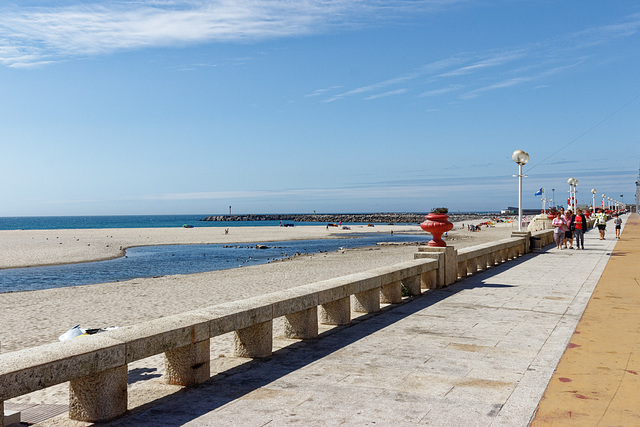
(598,379)
(478,353)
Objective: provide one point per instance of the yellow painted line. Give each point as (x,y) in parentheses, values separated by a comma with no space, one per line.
(597,382)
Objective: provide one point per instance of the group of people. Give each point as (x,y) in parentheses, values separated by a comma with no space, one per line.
(568,227)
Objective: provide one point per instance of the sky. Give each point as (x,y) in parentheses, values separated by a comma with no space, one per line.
(328,106)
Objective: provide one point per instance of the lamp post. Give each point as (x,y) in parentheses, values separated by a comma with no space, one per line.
(593,207)
(521,158)
(570,199)
(573,183)
(603,196)
(553,198)
(544,205)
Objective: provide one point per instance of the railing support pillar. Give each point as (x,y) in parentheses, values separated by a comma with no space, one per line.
(336,312)
(188,365)
(367,301)
(302,325)
(99,397)
(254,341)
(391,293)
(413,284)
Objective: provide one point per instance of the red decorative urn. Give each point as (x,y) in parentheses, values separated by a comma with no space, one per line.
(436,224)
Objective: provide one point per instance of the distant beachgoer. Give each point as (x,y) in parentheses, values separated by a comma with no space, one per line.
(601,222)
(579,225)
(568,235)
(558,224)
(618,222)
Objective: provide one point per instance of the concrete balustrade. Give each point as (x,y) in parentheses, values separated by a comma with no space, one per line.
(96,366)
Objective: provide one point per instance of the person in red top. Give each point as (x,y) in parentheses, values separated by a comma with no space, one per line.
(579,226)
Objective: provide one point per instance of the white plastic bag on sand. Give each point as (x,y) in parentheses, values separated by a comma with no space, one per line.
(71,333)
(76,331)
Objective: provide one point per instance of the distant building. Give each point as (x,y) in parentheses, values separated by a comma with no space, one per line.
(514,211)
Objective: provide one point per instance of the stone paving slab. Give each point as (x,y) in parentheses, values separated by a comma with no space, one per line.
(478,353)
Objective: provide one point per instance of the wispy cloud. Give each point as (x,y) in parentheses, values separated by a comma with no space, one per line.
(441,91)
(482,73)
(385,94)
(38,35)
(490,62)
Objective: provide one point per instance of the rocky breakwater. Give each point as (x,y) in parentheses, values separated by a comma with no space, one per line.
(378,218)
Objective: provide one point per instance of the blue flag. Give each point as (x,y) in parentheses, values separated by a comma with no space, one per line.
(539,192)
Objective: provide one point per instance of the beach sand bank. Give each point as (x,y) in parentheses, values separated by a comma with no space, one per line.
(33,318)
(37,317)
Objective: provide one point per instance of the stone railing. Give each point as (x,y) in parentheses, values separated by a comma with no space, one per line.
(481,257)
(96,365)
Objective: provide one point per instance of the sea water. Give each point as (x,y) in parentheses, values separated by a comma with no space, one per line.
(123,221)
(129,221)
(152,261)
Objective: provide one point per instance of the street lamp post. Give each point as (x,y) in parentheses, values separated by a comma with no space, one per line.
(570,199)
(593,207)
(603,196)
(553,198)
(573,183)
(521,158)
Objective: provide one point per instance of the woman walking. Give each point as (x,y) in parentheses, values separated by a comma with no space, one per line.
(568,234)
(558,224)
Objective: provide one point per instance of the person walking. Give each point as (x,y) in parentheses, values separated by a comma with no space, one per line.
(568,234)
(579,225)
(558,224)
(618,223)
(601,222)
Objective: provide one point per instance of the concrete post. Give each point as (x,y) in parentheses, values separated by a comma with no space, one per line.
(447,263)
(188,365)
(99,397)
(367,301)
(254,341)
(526,235)
(391,293)
(302,325)
(336,312)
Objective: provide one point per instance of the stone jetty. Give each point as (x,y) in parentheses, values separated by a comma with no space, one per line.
(379,218)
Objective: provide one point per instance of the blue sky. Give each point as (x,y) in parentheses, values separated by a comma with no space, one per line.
(185,106)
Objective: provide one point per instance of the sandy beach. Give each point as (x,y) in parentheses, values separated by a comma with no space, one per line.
(37,317)
(33,318)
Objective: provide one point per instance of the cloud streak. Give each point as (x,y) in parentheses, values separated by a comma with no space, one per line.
(39,35)
(495,70)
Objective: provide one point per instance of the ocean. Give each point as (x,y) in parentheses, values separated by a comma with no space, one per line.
(123,221)
(150,261)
